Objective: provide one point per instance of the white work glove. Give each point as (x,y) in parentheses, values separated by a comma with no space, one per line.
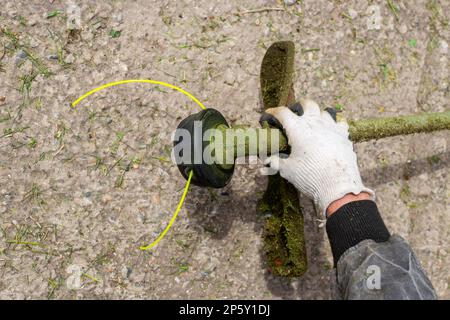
(322,164)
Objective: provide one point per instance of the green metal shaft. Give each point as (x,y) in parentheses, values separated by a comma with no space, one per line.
(377,128)
(245,141)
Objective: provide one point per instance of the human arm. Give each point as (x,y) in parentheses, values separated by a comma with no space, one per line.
(323,166)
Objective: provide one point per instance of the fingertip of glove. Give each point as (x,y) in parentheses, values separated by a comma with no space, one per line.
(296,108)
(331,112)
(281,117)
(270,119)
(310,106)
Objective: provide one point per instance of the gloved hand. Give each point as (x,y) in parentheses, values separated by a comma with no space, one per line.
(322,164)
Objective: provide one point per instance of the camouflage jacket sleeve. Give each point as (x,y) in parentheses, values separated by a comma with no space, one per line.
(372,264)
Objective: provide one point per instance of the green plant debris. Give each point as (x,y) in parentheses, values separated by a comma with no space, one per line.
(434,159)
(310,50)
(101,165)
(103,257)
(60,45)
(42,157)
(412,43)
(54,284)
(9,132)
(115,33)
(184,46)
(32,143)
(182,244)
(35,194)
(38,104)
(183,267)
(388,74)
(28,237)
(22,20)
(121,177)
(405,196)
(86,275)
(119,181)
(327,266)
(384,162)
(346,16)
(393,9)
(167,20)
(16,44)
(116,143)
(40,66)
(432,44)
(437,13)
(385,57)
(53,14)
(6,117)
(136,161)
(405,192)
(27,243)
(60,133)
(161,158)
(339,107)
(26,82)
(412,205)
(11,36)
(158,89)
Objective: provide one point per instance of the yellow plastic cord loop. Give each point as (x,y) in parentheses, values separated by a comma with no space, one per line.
(167,85)
(180,204)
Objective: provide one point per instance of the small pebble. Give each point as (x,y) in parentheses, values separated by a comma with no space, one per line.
(118,18)
(52,57)
(352,13)
(403,29)
(443,46)
(32,22)
(20,56)
(204,274)
(126,272)
(229,77)
(73,17)
(70,59)
(373,17)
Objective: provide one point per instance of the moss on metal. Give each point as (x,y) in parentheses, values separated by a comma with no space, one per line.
(277,70)
(242,141)
(368,129)
(284,241)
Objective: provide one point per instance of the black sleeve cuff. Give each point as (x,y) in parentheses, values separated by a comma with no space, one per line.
(352,223)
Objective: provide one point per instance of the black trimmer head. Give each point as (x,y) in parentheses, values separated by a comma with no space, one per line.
(204,175)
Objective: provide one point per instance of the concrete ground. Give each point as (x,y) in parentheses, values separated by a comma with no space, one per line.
(82,188)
